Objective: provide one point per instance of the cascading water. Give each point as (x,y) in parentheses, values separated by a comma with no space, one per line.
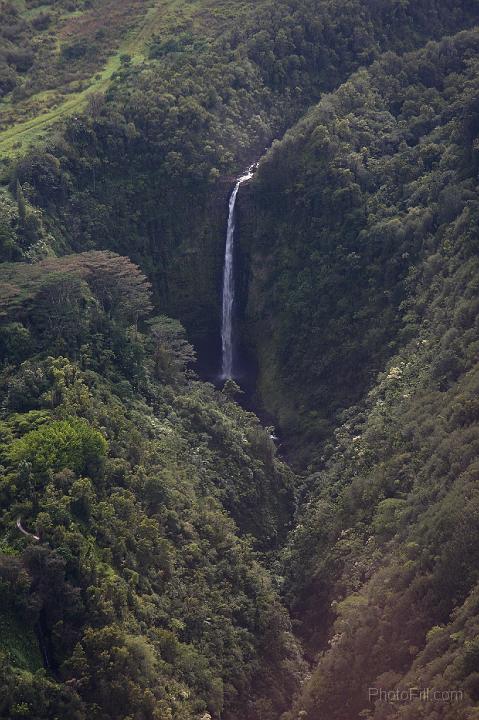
(227,340)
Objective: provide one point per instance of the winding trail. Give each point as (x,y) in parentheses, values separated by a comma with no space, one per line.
(25,532)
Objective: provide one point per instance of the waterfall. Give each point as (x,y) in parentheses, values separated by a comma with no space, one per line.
(227,340)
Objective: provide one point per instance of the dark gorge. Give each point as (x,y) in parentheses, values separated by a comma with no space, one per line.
(239,427)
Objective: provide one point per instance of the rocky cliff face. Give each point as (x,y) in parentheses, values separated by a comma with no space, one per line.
(192,271)
(256,301)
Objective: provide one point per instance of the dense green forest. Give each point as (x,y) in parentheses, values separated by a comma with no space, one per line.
(198,109)
(385,545)
(163,556)
(142,597)
(372,177)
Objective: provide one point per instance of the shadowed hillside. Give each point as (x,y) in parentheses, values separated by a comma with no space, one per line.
(159,560)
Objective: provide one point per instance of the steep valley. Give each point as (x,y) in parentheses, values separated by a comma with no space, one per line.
(191,565)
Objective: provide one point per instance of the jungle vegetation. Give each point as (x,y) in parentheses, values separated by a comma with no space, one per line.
(189,566)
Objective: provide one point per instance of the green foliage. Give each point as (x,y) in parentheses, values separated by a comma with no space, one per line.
(19,645)
(172,353)
(160,503)
(148,490)
(64,303)
(62,444)
(139,172)
(344,210)
(381,569)
(49,49)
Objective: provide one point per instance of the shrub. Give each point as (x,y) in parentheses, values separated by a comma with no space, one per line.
(61,444)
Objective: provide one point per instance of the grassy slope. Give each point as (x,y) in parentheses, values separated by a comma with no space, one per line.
(201,17)
(24,134)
